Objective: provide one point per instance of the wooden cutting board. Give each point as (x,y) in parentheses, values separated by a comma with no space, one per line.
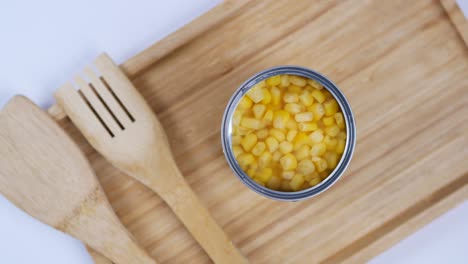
(404,70)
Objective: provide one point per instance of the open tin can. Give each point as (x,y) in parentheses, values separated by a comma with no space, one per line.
(226,133)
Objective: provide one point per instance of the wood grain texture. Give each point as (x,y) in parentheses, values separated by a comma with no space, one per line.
(457,17)
(403,69)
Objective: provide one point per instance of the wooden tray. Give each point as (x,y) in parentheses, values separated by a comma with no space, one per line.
(403,68)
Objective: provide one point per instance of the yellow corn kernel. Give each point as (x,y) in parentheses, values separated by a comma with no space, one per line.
(331,107)
(308,126)
(259,182)
(339,120)
(245,103)
(276,156)
(306,98)
(305,166)
(274,80)
(272,144)
(302,152)
(318,95)
(236,117)
(341,135)
(301,139)
(274,183)
(314,181)
(332,131)
(255,93)
(266,96)
(268,117)
(318,111)
(287,175)
(258,110)
(265,159)
(264,174)
(278,134)
(305,185)
(304,117)
(288,162)
(285,147)
(291,124)
(315,84)
(294,89)
(245,159)
(280,119)
(275,95)
(297,80)
(236,140)
(316,136)
(328,95)
(290,97)
(285,80)
(262,133)
(328,121)
(237,151)
(251,172)
(242,131)
(291,135)
(252,123)
(285,186)
(249,141)
(340,146)
(293,108)
(259,149)
(331,158)
(318,150)
(320,164)
(330,142)
(296,182)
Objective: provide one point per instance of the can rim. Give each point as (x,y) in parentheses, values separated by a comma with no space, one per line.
(226,131)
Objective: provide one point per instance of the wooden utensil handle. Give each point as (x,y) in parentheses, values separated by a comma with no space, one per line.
(196,218)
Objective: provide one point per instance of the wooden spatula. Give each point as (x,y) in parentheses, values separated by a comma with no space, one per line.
(120,125)
(44,173)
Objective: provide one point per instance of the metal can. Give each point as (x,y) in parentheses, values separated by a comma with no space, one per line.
(226,133)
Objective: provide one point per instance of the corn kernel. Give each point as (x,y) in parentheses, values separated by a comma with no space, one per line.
(297,80)
(293,108)
(237,151)
(274,183)
(285,186)
(305,166)
(290,97)
(328,121)
(320,164)
(341,135)
(288,162)
(236,140)
(331,107)
(315,84)
(262,133)
(287,175)
(323,175)
(277,156)
(339,120)
(318,150)
(245,159)
(264,174)
(318,111)
(332,159)
(275,95)
(296,182)
(304,117)
(316,136)
(266,96)
(251,172)
(280,119)
(268,117)
(274,80)
(285,81)
(332,131)
(305,185)
(259,182)
(340,146)
(306,98)
(242,131)
(318,95)
(302,152)
(301,139)
(272,144)
(285,147)
(278,134)
(265,159)
(314,181)
(328,95)
(291,124)
(291,135)
(245,103)
(249,141)
(295,89)
(308,126)
(236,118)
(259,149)
(258,110)
(255,93)
(330,142)
(252,123)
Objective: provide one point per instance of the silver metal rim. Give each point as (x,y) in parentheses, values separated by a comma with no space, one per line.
(226,131)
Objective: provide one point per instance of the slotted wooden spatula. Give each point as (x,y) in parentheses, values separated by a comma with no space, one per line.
(43,172)
(119,124)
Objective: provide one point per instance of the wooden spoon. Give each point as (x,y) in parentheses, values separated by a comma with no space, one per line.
(43,172)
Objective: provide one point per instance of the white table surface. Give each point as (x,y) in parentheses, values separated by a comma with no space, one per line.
(44,43)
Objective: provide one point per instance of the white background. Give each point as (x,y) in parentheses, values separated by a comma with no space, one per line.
(44,43)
